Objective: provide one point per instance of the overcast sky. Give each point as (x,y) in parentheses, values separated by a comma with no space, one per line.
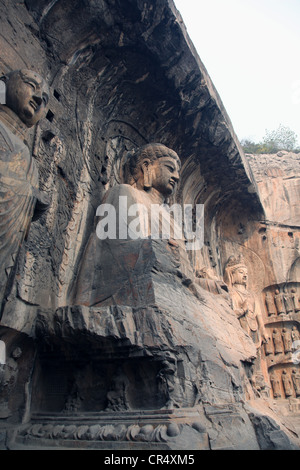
(251,50)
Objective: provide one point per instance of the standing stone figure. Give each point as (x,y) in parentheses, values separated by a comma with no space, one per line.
(8,380)
(275,385)
(287,384)
(296,381)
(279,302)
(243,301)
(269,347)
(271,307)
(295,299)
(247,310)
(278,346)
(117,399)
(288,301)
(295,334)
(27,96)
(287,340)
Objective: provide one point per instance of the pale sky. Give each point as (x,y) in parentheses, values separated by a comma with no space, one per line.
(251,50)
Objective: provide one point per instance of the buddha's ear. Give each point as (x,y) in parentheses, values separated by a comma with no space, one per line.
(146,169)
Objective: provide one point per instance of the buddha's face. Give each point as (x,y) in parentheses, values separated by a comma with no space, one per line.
(27,94)
(240,276)
(165,175)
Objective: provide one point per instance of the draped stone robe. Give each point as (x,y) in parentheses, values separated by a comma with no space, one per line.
(18,193)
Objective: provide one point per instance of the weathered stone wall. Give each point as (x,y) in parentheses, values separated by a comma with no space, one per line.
(106,99)
(123,73)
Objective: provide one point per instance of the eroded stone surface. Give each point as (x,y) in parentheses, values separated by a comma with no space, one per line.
(122,74)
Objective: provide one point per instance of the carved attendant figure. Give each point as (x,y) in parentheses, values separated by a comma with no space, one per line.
(295,334)
(288,301)
(8,380)
(287,340)
(296,382)
(271,307)
(278,346)
(295,299)
(275,385)
(287,384)
(269,347)
(27,96)
(279,302)
(243,301)
(117,393)
(247,309)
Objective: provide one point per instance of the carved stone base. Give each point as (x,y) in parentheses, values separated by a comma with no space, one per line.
(141,430)
(207,427)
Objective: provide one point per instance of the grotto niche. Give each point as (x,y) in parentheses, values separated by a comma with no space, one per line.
(140,342)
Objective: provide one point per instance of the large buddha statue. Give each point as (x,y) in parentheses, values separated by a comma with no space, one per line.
(130,217)
(27,96)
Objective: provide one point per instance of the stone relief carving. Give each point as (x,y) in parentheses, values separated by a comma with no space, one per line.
(27,96)
(243,301)
(288,301)
(287,340)
(287,384)
(247,309)
(295,298)
(270,303)
(275,385)
(117,399)
(283,302)
(8,380)
(207,279)
(281,322)
(112,89)
(152,173)
(277,341)
(296,381)
(279,302)
(295,334)
(122,432)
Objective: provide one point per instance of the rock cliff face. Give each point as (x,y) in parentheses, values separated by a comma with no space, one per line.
(164,361)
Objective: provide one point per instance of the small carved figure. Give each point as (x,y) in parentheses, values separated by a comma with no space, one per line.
(8,380)
(27,96)
(269,346)
(287,384)
(279,302)
(295,299)
(296,382)
(295,334)
(287,340)
(73,401)
(168,382)
(275,385)
(261,389)
(278,346)
(117,393)
(288,301)
(271,307)
(207,279)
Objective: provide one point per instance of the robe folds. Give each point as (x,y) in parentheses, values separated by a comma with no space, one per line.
(18,195)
